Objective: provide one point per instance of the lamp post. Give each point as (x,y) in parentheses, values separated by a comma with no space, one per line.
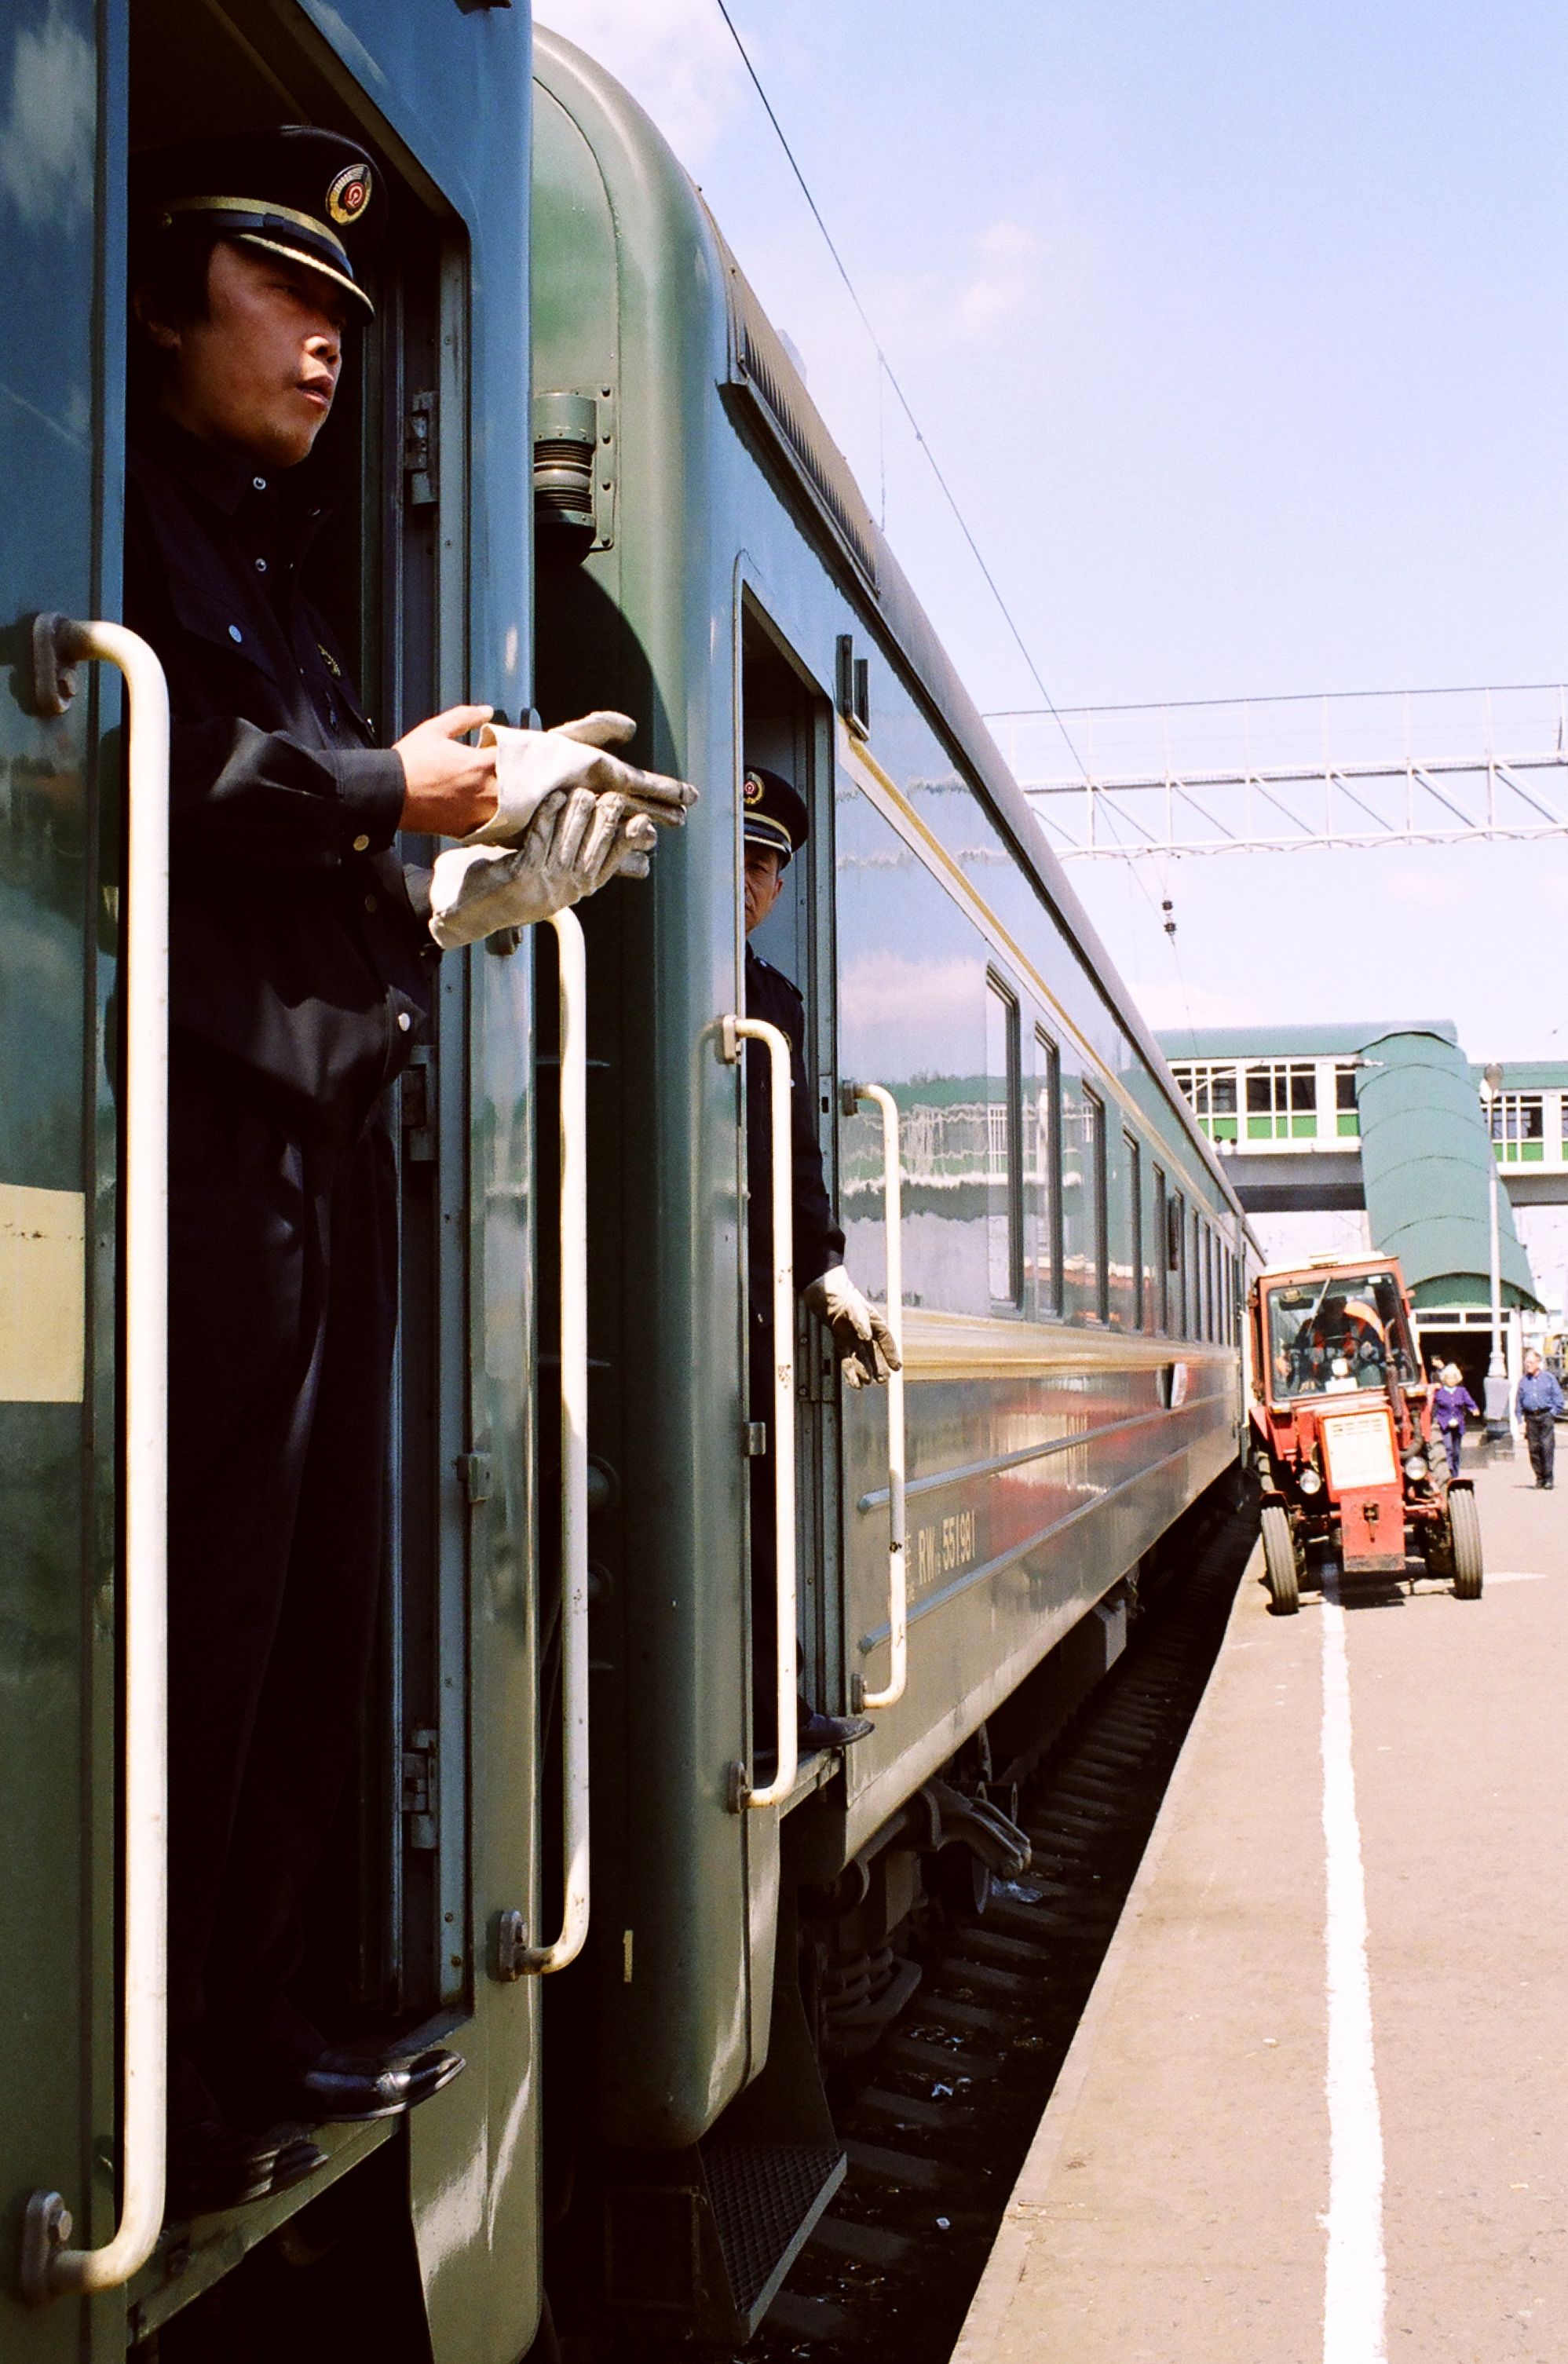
(1496,1390)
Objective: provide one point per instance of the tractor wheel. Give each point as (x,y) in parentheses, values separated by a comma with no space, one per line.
(1465,1523)
(1279,1560)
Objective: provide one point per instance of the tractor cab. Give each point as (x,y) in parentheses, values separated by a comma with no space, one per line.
(1342,1431)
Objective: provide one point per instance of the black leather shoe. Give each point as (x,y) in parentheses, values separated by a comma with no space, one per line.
(347,2088)
(814,1731)
(214,2167)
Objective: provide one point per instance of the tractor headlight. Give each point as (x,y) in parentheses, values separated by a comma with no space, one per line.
(1415,1466)
(1310,1482)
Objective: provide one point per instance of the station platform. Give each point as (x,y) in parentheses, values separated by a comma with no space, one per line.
(1317,2107)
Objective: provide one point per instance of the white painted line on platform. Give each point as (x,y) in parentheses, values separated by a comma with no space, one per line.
(1515,1575)
(1354,2276)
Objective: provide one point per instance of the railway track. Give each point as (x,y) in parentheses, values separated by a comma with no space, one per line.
(940,2116)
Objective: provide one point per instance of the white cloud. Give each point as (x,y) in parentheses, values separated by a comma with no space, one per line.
(47,137)
(675,57)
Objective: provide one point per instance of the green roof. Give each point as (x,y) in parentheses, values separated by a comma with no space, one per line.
(1427,1166)
(1523,1076)
(1179,1042)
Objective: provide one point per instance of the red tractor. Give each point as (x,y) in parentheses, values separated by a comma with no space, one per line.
(1342,1437)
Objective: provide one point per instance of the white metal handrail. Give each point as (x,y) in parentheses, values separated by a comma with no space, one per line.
(898,1558)
(758,1029)
(50,2268)
(572,972)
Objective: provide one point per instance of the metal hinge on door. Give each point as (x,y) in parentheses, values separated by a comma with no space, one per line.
(422,1786)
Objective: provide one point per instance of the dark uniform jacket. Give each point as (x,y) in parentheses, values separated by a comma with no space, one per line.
(298,960)
(819,1242)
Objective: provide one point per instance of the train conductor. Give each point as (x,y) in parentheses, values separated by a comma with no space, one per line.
(773,829)
(301,963)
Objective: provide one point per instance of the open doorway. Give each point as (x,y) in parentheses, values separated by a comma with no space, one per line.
(385,571)
(785,727)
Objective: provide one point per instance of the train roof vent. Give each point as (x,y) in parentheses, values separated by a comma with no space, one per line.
(759,364)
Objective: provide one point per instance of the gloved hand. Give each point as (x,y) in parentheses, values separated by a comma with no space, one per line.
(861,1338)
(532,764)
(575,843)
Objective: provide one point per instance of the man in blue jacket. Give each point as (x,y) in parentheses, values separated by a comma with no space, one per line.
(1538,1403)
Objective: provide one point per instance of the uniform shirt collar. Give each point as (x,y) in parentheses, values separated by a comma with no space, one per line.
(225,479)
(221,477)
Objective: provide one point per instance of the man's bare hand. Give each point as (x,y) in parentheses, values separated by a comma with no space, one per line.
(451,786)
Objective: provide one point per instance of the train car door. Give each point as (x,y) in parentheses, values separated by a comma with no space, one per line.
(786,726)
(429,582)
(62,84)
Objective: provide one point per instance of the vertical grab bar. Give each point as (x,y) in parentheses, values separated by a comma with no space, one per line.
(572,969)
(898,1558)
(758,1029)
(50,2268)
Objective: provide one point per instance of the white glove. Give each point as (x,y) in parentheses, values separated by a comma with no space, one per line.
(574,844)
(532,764)
(861,1338)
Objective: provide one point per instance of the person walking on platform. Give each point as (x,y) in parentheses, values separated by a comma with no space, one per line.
(1538,1403)
(774,827)
(301,964)
(1451,1400)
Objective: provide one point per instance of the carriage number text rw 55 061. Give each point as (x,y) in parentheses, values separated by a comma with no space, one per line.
(943,1548)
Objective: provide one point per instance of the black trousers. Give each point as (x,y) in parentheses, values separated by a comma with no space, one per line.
(1540,1436)
(283,1272)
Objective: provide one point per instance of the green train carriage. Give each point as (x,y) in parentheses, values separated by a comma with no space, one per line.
(421,2237)
(1072,1254)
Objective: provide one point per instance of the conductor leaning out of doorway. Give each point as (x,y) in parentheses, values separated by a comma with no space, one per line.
(302,954)
(774,827)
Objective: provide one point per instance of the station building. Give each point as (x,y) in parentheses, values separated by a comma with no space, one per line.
(1373,1137)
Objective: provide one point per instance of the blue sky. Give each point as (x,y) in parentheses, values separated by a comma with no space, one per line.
(1240,331)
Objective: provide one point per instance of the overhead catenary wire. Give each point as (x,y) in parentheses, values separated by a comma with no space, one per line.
(891,376)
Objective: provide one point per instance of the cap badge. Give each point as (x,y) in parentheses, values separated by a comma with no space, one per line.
(349,193)
(754,791)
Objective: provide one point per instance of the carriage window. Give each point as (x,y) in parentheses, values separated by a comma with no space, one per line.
(1136,1314)
(1004,1163)
(1088,1276)
(1176,1262)
(1161,1309)
(1044,1163)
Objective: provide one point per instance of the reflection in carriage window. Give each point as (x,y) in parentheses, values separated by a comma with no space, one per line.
(1128,1309)
(1042,1166)
(1004,1226)
(1083,1189)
